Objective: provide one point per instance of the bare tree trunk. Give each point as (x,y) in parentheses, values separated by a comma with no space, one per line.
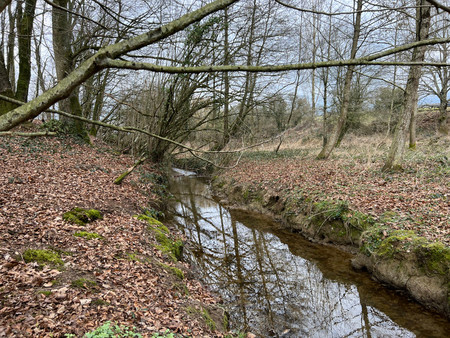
(64,63)
(226,108)
(25,29)
(331,144)
(397,149)
(443,103)
(313,74)
(443,115)
(412,127)
(5,88)
(10,64)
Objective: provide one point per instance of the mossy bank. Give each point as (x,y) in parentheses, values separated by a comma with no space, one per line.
(399,258)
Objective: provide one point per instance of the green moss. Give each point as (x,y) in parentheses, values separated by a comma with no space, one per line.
(87,235)
(331,210)
(206,317)
(99,302)
(208,320)
(42,257)
(389,216)
(372,238)
(172,247)
(132,257)
(82,216)
(435,257)
(225,322)
(358,220)
(45,292)
(395,242)
(177,272)
(246,194)
(150,220)
(94,214)
(83,283)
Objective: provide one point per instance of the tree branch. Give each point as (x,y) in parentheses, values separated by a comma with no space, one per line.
(92,65)
(51,3)
(4,4)
(366,60)
(17,133)
(439,5)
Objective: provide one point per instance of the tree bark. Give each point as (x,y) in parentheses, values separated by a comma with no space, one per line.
(332,142)
(397,149)
(443,102)
(64,61)
(25,29)
(4,4)
(443,115)
(5,88)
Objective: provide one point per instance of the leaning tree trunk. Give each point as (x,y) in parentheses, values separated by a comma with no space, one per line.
(342,120)
(397,149)
(93,64)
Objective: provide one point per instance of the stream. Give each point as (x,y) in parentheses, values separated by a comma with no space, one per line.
(277,284)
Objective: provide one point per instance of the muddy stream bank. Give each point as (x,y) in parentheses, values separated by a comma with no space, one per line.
(276,284)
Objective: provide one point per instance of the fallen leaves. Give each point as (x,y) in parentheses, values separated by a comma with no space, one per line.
(420,197)
(43,178)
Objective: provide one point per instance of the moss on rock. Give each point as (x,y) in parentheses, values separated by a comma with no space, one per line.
(82,216)
(434,258)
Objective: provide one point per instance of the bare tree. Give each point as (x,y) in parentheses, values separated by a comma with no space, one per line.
(397,149)
(331,144)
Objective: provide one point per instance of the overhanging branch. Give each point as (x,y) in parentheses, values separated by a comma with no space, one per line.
(370,60)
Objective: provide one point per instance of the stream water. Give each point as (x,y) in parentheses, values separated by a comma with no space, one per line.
(277,284)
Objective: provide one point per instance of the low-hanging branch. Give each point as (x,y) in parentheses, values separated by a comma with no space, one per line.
(370,60)
(36,134)
(90,66)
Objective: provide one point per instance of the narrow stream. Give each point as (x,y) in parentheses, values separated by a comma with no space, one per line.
(276,284)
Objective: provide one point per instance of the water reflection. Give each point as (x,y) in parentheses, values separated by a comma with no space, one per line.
(277,284)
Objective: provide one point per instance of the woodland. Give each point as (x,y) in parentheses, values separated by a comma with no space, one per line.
(342,99)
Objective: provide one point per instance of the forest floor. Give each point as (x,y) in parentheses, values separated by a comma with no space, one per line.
(121,277)
(419,197)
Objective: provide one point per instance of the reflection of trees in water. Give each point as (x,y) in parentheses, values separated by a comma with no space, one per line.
(269,288)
